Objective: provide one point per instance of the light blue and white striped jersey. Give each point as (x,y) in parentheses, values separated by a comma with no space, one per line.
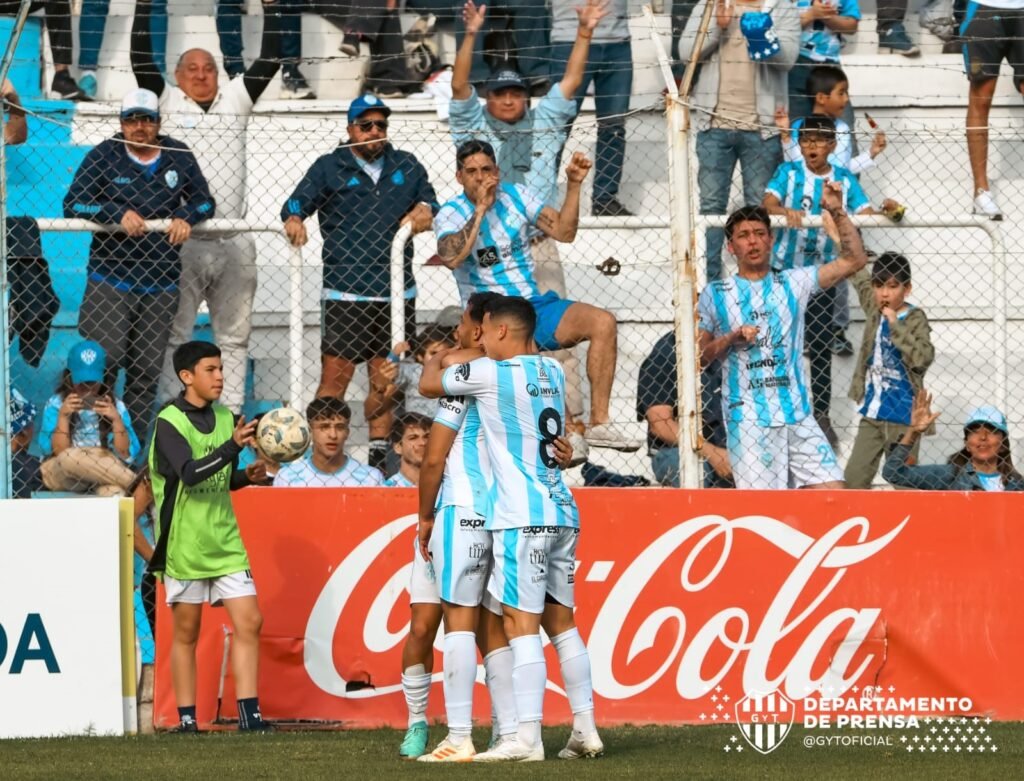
(302,473)
(467,471)
(521,403)
(888,392)
(818,42)
(765,383)
(398,480)
(501,260)
(797,187)
(991,482)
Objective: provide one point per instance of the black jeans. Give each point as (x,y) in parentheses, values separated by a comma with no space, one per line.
(380,28)
(58,24)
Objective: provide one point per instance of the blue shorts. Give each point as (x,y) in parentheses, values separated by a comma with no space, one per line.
(550,309)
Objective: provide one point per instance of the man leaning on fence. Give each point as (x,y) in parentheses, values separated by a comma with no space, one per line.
(363,192)
(754,322)
(132,289)
(211,118)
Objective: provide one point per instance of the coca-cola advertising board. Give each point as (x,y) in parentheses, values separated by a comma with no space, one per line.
(694,605)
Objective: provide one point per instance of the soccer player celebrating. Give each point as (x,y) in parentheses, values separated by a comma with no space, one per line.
(519,397)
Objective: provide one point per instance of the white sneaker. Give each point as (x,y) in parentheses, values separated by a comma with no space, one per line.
(610,436)
(582,746)
(447,751)
(509,749)
(580,449)
(985,203)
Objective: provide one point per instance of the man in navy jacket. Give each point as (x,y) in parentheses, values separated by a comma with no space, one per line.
(132,290)
(363,191)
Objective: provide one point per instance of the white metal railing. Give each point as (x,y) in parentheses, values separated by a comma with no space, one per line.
(218,227)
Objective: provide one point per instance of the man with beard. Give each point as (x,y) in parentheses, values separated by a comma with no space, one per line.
(132,290)
(363,191)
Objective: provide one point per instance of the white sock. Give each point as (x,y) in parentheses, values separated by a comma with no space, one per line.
(459,680)
(529,675)
(416,687)
(575,663)
(498,675)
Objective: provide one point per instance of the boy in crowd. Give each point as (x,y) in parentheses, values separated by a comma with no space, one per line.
(402,376)
(795,190)
(199,551)
(824,24)
(829,87)
(894,356)
(326,464)
(409,440)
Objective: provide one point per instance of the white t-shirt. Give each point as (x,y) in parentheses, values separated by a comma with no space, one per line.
(302,473)
(216,137)
(521,403)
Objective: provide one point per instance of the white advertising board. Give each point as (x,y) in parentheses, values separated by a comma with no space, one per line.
(60,627)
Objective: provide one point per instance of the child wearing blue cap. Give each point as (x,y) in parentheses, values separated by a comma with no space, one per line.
(86,435)
(24,467)
(983,464)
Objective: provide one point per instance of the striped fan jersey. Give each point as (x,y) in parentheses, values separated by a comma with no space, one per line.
(467,471)
(302,473)
(521,403)
(501,260)
(797,187)
(888,392)
(766,382)
(398,480)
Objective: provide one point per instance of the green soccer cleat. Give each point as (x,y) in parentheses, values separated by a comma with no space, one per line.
(414,744)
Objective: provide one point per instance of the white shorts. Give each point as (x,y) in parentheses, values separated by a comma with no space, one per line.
(790,456)
(422,583)
(533,562)
(460,548)
(212,590)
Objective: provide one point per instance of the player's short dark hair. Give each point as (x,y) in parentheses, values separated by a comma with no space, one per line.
(514,308)
(432,334)
(328,407)
(891,265)
(477,304)
(747,214)
(189,354)
(473,147)
(407,421)
(818,124)
(824,79)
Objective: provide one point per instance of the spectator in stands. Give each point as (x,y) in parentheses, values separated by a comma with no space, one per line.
(796,189)
(892,35)
(401,376)
(15,126)
(754,321)
(741,83)
(24,466)
(229,32)
(657,395)
(983,464)
(484,234)
(326,465)
(831,92)
(896,352)
(824,22)
(364,191)
(610,69)
(528,144)
(132,289)
(92,25)
(409,440)
(86,436)
(993,31)
(517,38)
(216,268)
(293,83)
(58,28)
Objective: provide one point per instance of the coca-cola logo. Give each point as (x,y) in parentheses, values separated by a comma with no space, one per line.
(794,613)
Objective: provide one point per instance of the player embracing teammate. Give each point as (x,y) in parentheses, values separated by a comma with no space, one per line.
(504,409)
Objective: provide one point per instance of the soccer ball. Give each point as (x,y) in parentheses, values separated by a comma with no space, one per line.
(283,435)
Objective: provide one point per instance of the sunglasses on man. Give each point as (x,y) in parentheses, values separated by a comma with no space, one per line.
(366,124)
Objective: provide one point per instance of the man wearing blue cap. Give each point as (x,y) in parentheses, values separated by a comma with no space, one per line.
(363,191)
(132,290)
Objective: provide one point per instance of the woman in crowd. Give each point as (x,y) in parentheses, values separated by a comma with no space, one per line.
(983,464)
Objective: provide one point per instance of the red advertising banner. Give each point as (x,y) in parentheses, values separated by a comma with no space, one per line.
(697,606)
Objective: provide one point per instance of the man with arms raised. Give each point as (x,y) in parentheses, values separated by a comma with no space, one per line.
(533,518)
(754,322)
(484,235)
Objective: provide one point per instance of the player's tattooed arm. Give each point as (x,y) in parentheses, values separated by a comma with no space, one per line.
(454,248)
(852,257)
